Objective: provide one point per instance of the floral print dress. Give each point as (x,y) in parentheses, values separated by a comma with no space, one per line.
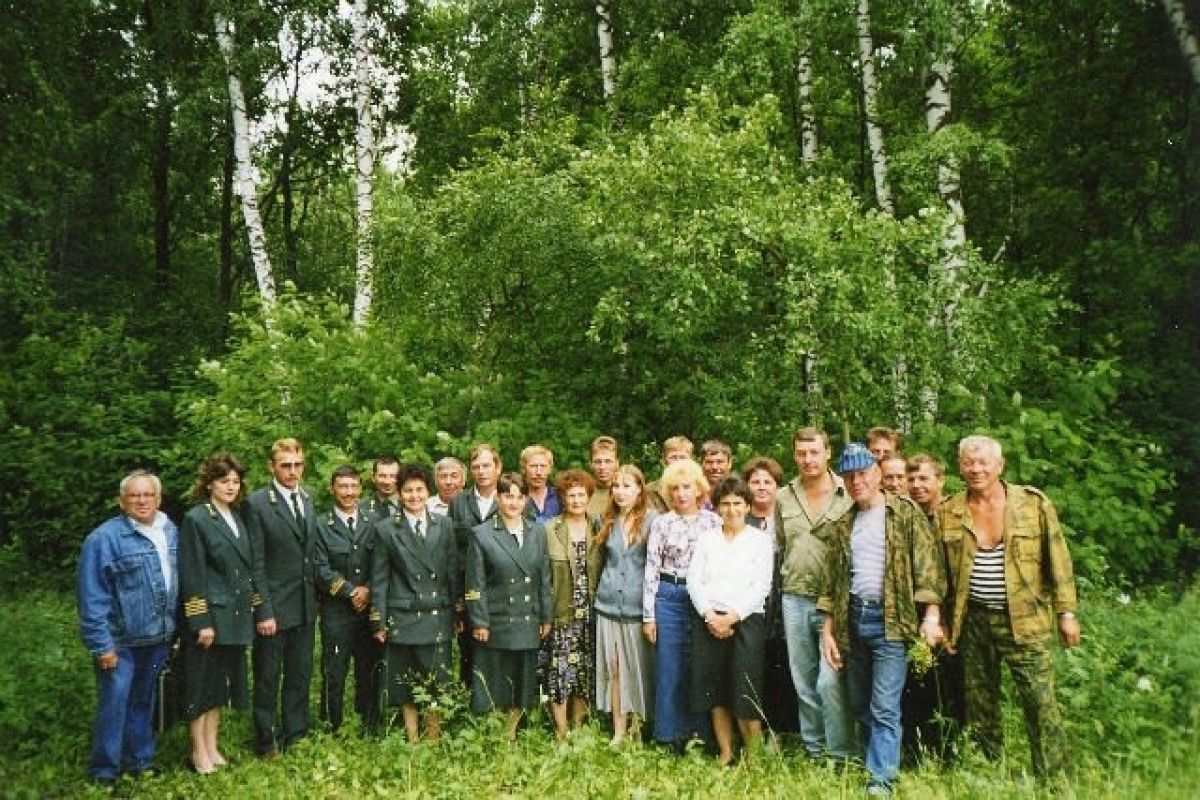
(571,671)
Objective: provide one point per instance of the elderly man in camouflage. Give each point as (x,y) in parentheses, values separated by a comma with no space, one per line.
(881,561)
(1010,577)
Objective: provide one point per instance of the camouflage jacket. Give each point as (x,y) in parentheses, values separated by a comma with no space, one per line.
(913,571)
(1038,576)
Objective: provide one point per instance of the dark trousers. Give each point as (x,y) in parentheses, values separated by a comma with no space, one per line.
(123,735)
(932,710)
(338,647)
(287,655)
(466,658)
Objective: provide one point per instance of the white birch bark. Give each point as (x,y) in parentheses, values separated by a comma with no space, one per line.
(1188,46)
(245,183)
(608,58)
(364,178)
(870,86)
(808,116)
(937,112)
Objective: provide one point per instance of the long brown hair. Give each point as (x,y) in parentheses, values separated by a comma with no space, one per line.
(637,514)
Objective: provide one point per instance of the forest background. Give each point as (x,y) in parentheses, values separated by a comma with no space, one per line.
(390,227)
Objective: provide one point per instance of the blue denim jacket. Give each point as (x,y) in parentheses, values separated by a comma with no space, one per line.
(121,594)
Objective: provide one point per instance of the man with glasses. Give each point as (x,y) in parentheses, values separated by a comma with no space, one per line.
(126,590)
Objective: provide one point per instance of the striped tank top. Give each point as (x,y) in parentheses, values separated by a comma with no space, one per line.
(987,578)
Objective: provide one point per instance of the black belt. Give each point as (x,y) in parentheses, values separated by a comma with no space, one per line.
(669,578)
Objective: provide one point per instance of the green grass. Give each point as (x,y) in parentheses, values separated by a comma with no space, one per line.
(1131,695)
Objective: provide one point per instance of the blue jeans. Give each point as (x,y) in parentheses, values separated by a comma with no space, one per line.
(123,736)
(674,720)
(877,668)
(826,726)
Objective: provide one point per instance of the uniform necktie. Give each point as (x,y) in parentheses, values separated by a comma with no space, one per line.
(350,523)
(296,506)
(420,533)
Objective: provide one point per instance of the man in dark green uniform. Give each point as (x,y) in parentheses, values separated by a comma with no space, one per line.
(468,510)
(345,544)
(385,500)
(281,522)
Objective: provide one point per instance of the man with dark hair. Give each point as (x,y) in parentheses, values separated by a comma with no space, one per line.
(894,474)
(468,510)
(281,523)
(345,544)
(126,589)
(385,500)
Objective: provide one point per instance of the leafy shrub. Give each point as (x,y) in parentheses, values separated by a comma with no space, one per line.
(79,408)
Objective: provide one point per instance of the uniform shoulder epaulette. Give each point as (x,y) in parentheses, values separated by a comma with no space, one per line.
(274,498)
(1036,492)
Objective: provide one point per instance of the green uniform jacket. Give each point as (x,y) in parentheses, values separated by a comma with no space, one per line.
(1038,576)
(508,589)
(562,566)
(282,551)
(913,571)
(215,579)
(802,537)
(414,581)
(376,508)
(464,513)
(343,563)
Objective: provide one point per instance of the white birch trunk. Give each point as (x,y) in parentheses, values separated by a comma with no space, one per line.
(608,58)
(1188,46)
(937,112)
(245,183)
(808,116)
(866,58)
(364,147)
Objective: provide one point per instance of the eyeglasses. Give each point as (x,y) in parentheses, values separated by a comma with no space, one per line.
(290,464)
(140,495)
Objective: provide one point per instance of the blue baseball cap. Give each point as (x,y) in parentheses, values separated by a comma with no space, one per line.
(856,456)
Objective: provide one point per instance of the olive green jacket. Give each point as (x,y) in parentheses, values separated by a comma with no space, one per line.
(562,566)
(801,536)
(1038,576)
(914,571)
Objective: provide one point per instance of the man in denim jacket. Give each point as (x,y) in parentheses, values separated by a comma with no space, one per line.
(126,589)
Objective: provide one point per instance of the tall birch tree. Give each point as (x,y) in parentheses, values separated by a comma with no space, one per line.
(608,57)
(870,89)
(808,116)
(245,183)
(364,167)
(1188,46)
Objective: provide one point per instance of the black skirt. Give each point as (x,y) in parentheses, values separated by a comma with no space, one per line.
(729,672)
(504,679)
(409,666)
(213,677)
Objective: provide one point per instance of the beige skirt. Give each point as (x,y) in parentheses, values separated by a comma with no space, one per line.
(622,650)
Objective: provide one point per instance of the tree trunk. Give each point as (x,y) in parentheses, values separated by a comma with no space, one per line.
(1188,46)
(937,112)
(808,116)
(364,146)
(608,58)
(287,167)
(225,281)
(164,111)
(866,58)
(245,183)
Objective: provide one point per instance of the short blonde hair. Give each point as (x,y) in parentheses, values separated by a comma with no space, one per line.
(678,444)
(286,445)
(536,450)
(980,444)
(684,471)
(604,443)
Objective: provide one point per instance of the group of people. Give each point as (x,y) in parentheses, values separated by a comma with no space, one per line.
(696,601)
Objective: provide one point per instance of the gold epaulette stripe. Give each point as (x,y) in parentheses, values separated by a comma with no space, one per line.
(473,595)
(374,616)
(195,606)
(336,587)
(255,600)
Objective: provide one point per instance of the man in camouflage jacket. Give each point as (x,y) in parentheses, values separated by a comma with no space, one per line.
(1018,524)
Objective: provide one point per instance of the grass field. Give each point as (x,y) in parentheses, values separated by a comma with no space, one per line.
(1131,695)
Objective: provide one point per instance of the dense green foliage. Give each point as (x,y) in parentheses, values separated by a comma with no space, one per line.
(1129,695)
(553,263)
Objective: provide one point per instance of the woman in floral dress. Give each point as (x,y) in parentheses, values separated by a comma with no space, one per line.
(574,569)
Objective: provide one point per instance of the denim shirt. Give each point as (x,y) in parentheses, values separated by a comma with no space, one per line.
(121,594)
